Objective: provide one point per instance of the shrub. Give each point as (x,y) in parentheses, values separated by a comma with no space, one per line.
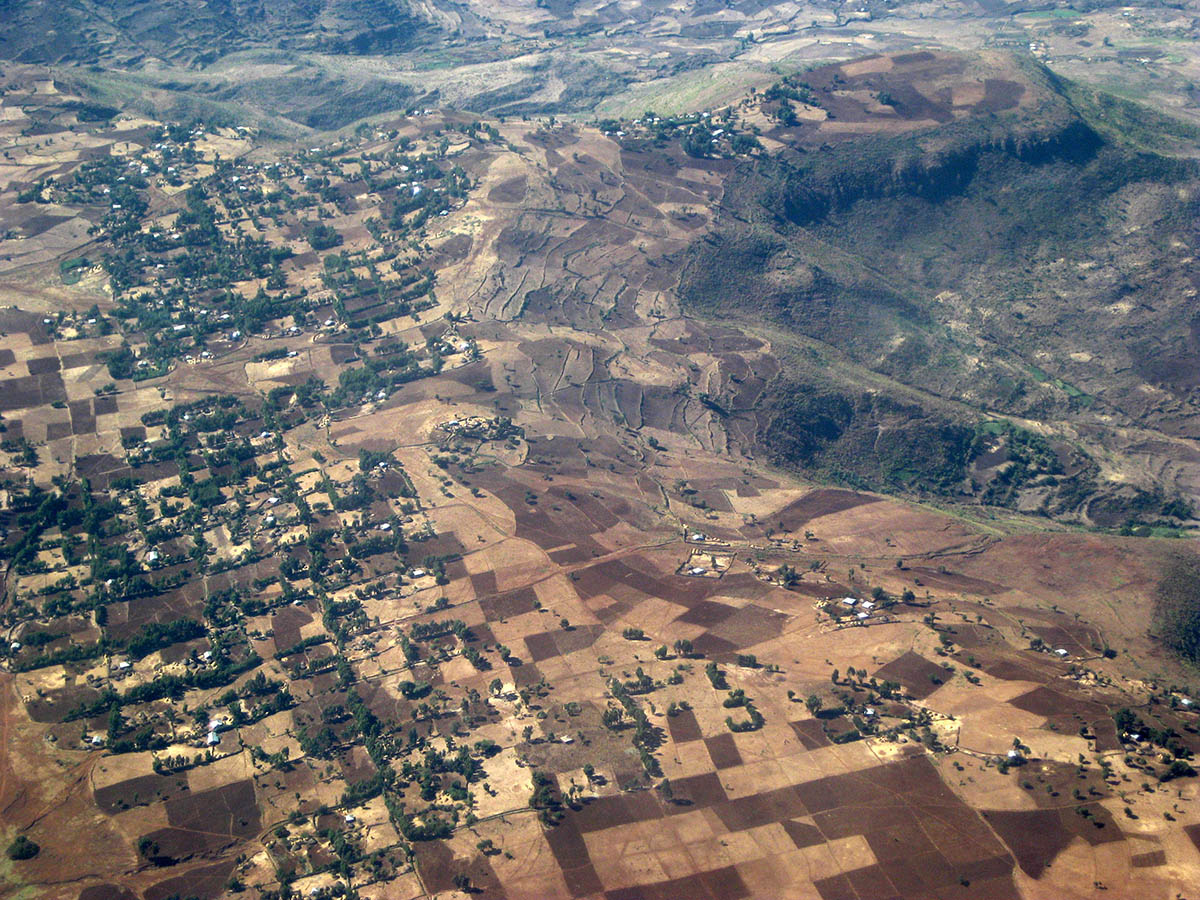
(23,848)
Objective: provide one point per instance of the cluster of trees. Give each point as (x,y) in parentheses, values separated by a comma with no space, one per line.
(646,737)
(22,847)
(148,639)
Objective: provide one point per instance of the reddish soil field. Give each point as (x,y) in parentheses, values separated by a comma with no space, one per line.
(723,751)
(824,502)
(684,727)
(204,883)
(914,672)
(227,810)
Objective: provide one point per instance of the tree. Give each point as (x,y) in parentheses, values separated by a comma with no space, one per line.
(322,237)
(116,724)
(23,848)
(715,676)
(813,703)
(665,790)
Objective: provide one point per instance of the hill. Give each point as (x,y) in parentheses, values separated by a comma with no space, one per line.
(117,33)
(984,275)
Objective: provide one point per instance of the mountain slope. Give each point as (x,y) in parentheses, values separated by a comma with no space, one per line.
(1024,262)
(196,32)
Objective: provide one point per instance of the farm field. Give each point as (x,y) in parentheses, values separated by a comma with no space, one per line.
(378,518)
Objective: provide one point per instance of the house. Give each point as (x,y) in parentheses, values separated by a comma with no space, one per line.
(1060,652)
(849,602)
(867,604)
(213,739)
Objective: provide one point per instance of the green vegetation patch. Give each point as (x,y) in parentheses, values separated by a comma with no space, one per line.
(71,270)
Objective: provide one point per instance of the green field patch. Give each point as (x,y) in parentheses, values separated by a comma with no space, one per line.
(71,270)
